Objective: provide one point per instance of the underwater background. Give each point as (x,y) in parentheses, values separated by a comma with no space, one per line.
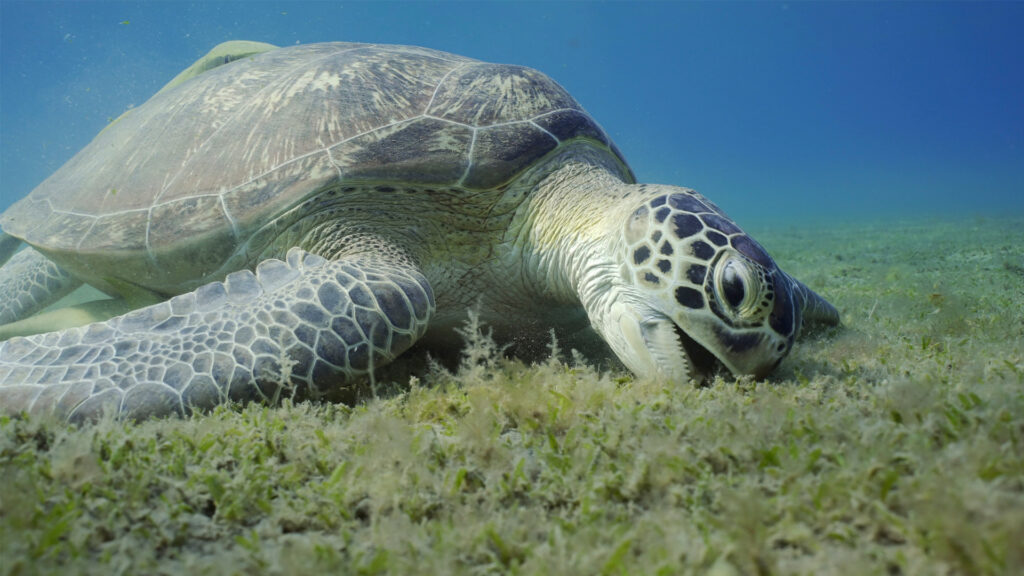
(777,111)
(876,149)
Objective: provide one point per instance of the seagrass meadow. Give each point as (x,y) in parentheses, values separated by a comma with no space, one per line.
(891,445)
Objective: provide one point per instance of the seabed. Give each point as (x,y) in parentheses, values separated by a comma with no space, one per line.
(894,444)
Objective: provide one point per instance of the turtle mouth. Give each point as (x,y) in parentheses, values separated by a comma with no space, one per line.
(675,354)
(702,361)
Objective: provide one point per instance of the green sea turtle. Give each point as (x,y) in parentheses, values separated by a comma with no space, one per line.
(287,222)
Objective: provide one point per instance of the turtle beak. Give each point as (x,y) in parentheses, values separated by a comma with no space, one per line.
(653,346)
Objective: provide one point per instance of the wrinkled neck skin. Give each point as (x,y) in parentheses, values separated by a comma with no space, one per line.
(569,233)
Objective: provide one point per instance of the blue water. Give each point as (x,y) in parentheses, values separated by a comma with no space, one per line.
(773,110)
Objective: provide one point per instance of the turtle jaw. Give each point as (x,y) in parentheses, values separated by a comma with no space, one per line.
(703,361)
(676,354)
(651,345)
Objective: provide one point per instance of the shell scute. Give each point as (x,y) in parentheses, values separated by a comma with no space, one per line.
(566,124)
(120,231)
(501,152)
(510,94)
(426,150)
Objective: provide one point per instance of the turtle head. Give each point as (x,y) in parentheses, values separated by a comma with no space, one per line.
(693,288)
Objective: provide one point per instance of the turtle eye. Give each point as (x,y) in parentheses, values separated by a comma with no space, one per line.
(738,286)
(732,285)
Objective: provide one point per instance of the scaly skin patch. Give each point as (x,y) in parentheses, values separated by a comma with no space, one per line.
(284,331)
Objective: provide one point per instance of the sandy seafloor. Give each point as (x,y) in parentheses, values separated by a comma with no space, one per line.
(893,444)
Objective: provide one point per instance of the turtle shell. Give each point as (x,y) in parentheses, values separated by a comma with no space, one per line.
(180,182)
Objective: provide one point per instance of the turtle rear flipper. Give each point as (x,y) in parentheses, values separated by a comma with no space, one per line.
(30,282)
(221,54)
(8,246)
(286,331)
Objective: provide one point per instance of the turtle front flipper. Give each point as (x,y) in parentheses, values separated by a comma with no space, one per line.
(304,327)
(30,282)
